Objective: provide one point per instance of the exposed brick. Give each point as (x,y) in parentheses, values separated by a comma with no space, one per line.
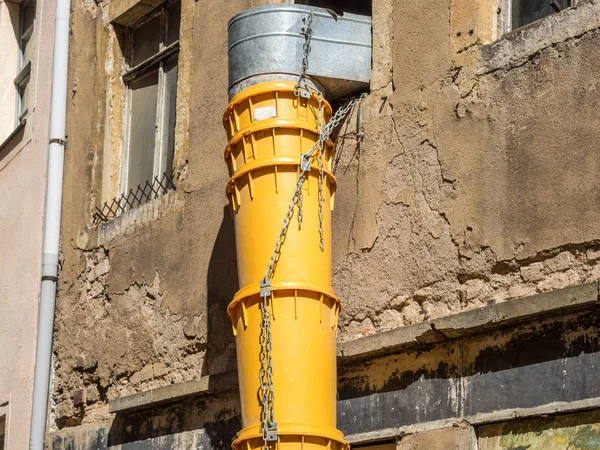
(92,394)
(563,261)
(558,281)
(593,255)
(96,289)
(147,373)
(533,272)
(443,439)
(64,410)
(79,397)
(102,268)
(160,370)
(84,362)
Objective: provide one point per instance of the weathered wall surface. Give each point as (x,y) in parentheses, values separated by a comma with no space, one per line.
(436,395)
(474,182)
(475,179)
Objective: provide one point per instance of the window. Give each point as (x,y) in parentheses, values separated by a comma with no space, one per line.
(2,431)
(151,80)
(523,12)
(26,24)
(363,7)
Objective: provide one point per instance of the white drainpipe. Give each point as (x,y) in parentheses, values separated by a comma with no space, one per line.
(54,181)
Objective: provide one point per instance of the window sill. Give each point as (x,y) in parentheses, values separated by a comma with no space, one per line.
(12,139)
(517,47)
(140,216)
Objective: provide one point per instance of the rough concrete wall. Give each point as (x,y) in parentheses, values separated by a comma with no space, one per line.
(460,193)
(142,299)
(475,180)
(576,431)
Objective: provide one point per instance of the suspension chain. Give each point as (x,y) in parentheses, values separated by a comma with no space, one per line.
(301,88)
(267,393)
(304,90)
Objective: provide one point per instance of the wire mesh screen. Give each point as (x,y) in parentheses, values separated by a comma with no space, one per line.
(135,197)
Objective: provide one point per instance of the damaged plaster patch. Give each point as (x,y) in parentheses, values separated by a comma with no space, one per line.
(555,271)
(148,346)
(431,256)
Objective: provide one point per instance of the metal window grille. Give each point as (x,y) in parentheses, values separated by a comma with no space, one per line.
(139,196)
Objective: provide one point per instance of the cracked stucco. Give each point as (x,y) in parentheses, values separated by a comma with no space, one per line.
(473,180)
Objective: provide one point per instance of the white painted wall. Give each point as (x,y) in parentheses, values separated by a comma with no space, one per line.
(9,29)
(22,191)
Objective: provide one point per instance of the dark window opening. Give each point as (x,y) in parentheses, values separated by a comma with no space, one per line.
(362,7)
(2,431)
(527,11)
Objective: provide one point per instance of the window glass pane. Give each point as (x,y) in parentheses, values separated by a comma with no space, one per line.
(142,129)
(169,117)
(363,7)
(2,431)
(26,51)
(145,41)
(173,19)
(23,92)
(527,11)
(27,16)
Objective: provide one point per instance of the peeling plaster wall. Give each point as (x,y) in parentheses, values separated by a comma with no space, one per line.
(475,181)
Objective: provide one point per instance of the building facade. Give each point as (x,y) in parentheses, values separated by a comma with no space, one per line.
(26,31)
(465,235)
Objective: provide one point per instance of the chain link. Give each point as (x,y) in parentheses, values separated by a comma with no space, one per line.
(301,88)
(267,393)
(322,139)
(304,90)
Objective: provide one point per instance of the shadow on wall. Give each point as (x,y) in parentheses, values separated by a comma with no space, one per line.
(221,286)
(209,424)
(539,364)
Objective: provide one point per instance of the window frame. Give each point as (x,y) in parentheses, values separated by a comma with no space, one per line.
(507,19)
(3,423)
(23,76)
(158,61)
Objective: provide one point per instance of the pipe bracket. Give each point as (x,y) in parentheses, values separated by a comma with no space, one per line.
(59,141)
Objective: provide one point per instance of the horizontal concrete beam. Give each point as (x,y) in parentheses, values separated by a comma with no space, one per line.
(476,321)
(207,385)
(477,419)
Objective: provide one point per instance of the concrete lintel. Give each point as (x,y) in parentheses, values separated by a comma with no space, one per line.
(475,420)
(543,410)
(494,315)
(207,385)
(127,12)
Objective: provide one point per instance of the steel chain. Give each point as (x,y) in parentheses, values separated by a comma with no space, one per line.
(323,139)
(306,30)
(302,89)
